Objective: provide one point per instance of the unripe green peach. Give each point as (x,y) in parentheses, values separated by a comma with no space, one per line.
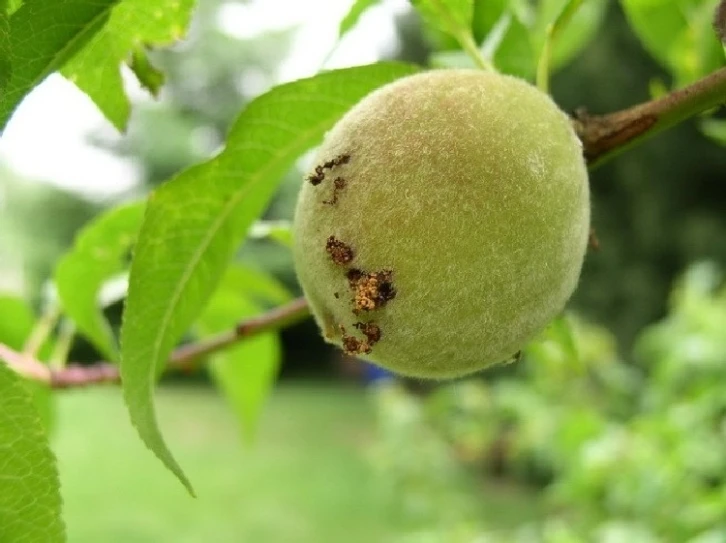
(444,223)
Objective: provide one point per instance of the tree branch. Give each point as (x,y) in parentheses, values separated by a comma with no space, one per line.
(184,357)
(604,136)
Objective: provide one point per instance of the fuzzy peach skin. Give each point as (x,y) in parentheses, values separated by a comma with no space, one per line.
(444,223)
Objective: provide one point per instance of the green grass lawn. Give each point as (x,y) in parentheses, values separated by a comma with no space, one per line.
(307,478)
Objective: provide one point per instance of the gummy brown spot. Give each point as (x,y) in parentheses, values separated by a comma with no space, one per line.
(336,294)
(370,330)
(338,185)
(319,175)
(371,290)
(340,252)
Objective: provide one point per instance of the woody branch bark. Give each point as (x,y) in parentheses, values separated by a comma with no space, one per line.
(75,375)
(604,136)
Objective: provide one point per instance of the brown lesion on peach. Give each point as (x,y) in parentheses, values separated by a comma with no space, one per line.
(319,175)
(355,346)
(370,330)
(337,161)
(338,185)
(341,253)
(371,291)
(352,345)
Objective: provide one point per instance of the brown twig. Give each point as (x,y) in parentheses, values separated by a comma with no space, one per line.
(183,358)
(25,365)
(604,136)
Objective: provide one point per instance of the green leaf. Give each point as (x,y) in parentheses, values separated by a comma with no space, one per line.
(454,17)
(714,129)
(13,6)
(678,34)
(551,33)
(563,26)
(5,50)
(451,16)
(194,223)
(17,321)
(451,59)
(279,231)
(354,14)
(560,331)
(515,53)
(486,14)
(43,36)
(575,27)
(97,69)
(246,372)
(150,77)
(494,38)
(100,252)
(30,502)
(350,20)
(257,286)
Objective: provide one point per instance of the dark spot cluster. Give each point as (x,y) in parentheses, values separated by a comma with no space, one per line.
(370,290)
(370,330)
(338,185)
(341,253)
(354,346)
(319,175)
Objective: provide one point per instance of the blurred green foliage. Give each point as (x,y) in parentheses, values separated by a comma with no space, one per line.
(38,224)
(613,447)
(307,479)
